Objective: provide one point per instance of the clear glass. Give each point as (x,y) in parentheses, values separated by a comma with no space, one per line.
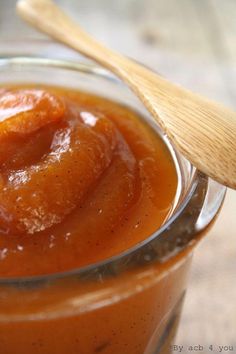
(131,303)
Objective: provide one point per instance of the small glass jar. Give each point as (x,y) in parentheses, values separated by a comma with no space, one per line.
(130,303)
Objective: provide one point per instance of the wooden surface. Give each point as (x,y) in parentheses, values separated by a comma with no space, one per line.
(191,42)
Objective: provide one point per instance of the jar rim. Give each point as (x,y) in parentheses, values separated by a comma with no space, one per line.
(143,252)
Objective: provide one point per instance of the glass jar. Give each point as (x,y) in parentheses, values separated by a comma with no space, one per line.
(130,303)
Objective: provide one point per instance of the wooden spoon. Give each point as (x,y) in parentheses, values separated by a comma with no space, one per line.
(202,130)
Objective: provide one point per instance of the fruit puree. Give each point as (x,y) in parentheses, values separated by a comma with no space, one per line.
(82,179)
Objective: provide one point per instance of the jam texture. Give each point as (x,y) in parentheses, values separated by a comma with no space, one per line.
(81,179)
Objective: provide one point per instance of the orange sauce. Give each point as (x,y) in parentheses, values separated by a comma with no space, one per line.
(82,179)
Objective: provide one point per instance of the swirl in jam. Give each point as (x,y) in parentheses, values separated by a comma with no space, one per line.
(81,179)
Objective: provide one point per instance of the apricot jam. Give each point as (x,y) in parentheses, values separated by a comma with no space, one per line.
(82,179)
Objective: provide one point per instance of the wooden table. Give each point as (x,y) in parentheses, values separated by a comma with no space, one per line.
(191,42)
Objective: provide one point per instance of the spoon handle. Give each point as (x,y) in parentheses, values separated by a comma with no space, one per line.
(50,19)
(202,130)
